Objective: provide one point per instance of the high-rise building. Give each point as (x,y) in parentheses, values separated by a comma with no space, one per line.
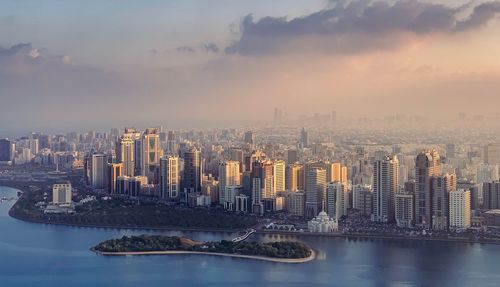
(295,203)
(492,153)
(295,177)
(337,199)
(229,175)
(33,145)
(441,186)
(315,191)
(249,140)
(279,181)
(362,198)
(404,210)
(191,180)
(460,215)
(338,172)
(169,177)
(62,193)
(491,195)
(115,170)
(291,156)
(98,171)
(427,164)
(5,150)
(125,151)
(151,154)
(385,186)
(304,140)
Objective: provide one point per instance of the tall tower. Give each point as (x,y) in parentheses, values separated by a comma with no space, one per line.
(427,164)
(229,175)
(460,215)
(295,177)
(279,176)
(151,154)
(98,171)
(441,186)
(337,199)
(192,171)
(315,191)
(125,151)
(169,177)
(385,186)
(115,170)
(304,139)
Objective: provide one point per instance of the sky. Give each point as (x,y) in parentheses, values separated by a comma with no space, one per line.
(82,64)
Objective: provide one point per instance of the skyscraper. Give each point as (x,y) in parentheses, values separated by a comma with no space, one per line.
(98,171)
(427,164)
(491,195)
(115,170)
(191,180)
(441,186)
(304,140)
(151,154)
(492,153)
(279,168)
(315,191)
(249,140)
(404,210)
(125,151)
(295,177)
(5,150)
(385,186)
(337,199)
(229,175)
(169,177)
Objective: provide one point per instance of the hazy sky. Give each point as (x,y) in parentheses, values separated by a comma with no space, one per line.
(80,64)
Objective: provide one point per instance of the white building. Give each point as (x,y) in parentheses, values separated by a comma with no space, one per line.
(385,186)
(322,223)
(460,214)
(62,194)
(229,175)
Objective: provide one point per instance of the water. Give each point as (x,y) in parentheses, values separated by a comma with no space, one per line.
(44,255)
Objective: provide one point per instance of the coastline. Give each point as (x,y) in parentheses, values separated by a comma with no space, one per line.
(173,252)
(268,232)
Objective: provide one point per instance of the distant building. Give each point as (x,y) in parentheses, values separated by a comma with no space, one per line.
(98,171)
(151,154)
(315,190)
(62,193)
(441,186)
(337,199)
(427,164)
(295,177)
(385,186)
(322,224)
(114,171)
(492,153)
(491,195)
(229,175)
(191,180)
(460,211)
(295,203)
(242,203)
(362,198)
(404,211)
(169,177)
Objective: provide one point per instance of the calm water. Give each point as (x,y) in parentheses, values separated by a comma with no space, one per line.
(43,255)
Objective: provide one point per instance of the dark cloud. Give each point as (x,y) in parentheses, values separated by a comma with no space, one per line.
(185,49)
(352,26)
(211,47)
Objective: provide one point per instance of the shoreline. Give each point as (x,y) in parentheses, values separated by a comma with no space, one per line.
(174,252)
(281,233)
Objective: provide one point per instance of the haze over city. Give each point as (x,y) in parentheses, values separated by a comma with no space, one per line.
(85,64)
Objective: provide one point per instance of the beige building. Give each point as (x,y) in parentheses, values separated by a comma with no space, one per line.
(460,212)
(229,175)
(404,209)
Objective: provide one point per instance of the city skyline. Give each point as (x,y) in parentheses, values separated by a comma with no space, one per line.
(84,64)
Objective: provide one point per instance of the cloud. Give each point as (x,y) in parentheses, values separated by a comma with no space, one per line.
(358,25)
(211,47)
(185,49)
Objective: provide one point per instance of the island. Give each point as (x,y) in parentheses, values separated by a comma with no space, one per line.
(281,251)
